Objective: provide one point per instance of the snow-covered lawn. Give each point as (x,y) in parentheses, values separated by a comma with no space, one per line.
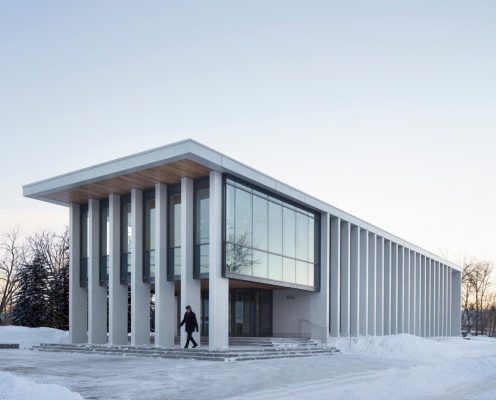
(394,367)
(14,387)
(27,337)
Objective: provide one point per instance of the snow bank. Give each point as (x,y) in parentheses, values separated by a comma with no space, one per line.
(27,337)
(410,347)
(17,388)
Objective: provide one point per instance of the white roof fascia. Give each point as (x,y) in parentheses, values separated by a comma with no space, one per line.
(190,149)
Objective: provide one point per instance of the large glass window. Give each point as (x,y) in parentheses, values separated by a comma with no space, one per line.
(174,233)
(104,241)
(149,236)
(83,268)
(202,226)
(268,238)
(260,225)
(126,239)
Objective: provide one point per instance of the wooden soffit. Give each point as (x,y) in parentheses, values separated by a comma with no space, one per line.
(145,179)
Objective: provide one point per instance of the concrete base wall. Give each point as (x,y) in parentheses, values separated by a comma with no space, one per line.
(291,313)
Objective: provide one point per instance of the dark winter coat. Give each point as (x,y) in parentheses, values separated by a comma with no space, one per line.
(190,320)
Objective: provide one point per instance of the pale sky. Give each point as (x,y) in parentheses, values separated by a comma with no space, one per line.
(385,109)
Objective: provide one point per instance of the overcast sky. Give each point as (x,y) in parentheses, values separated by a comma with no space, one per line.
(385,109)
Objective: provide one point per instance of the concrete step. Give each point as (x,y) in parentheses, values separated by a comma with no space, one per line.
(197,354)
(218,353)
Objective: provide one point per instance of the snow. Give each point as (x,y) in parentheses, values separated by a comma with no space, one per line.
(392,367)
(27,337)
(16,388)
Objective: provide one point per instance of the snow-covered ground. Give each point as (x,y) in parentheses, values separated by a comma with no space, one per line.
(394,367)
(14,387)
(27,337)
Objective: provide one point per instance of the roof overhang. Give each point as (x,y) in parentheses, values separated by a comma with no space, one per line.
(168,164)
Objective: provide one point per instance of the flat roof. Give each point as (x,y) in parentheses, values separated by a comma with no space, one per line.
(167,164)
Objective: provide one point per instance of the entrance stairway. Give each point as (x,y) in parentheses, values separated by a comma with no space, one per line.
(247,349)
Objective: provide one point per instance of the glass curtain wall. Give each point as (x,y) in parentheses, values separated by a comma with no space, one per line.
(126,239)
(269,238)
(84,222)
(104,241)
(174,233)
(202,234)
(149,237)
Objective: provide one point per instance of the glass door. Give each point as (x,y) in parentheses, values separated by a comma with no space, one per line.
(250,312)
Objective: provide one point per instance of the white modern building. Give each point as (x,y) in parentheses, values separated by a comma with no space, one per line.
(184,224)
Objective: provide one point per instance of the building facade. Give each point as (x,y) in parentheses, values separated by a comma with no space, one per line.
(185,225)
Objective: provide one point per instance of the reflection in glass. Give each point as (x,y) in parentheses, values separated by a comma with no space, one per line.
(175,235)
(275,267)
(301,273)
(149,238)
(126,239)
(243,216)
(202,226)
(275,228)
(104,241)
(238,259)
(260,218)
(84,221)
(230,213)
(268,238)
(302,241)
(289,270)
(260,264)
(311,242)
(288,232)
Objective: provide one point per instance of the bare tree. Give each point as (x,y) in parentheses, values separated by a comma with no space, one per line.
(239,253)
(467,294)
(12,256)
(476,290)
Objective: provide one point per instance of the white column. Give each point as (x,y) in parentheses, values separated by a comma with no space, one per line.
(190,287)
(140,291)
(441,298)
(78,296)
(423,296)
(364,279)
(406,288)
(401,290)
(335,275)
(418,294)
(97,295)
(428,298)
(387,287)
(218,288)
(456,293)
(431,298)
(450,294)
(379,298)
(455,304)
(372,284)
(435,266)
(320,300)
(394,288)
(412,293)
(441,302)
(355,280)
(117,291)
(446,300)
(165,303)
(345,279)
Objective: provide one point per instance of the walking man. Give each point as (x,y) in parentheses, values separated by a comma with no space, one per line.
(191,323)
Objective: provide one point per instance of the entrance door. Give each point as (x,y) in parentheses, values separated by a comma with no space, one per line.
(250,312)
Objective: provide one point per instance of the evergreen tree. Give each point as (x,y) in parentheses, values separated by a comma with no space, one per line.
(32,301)
(58,294)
